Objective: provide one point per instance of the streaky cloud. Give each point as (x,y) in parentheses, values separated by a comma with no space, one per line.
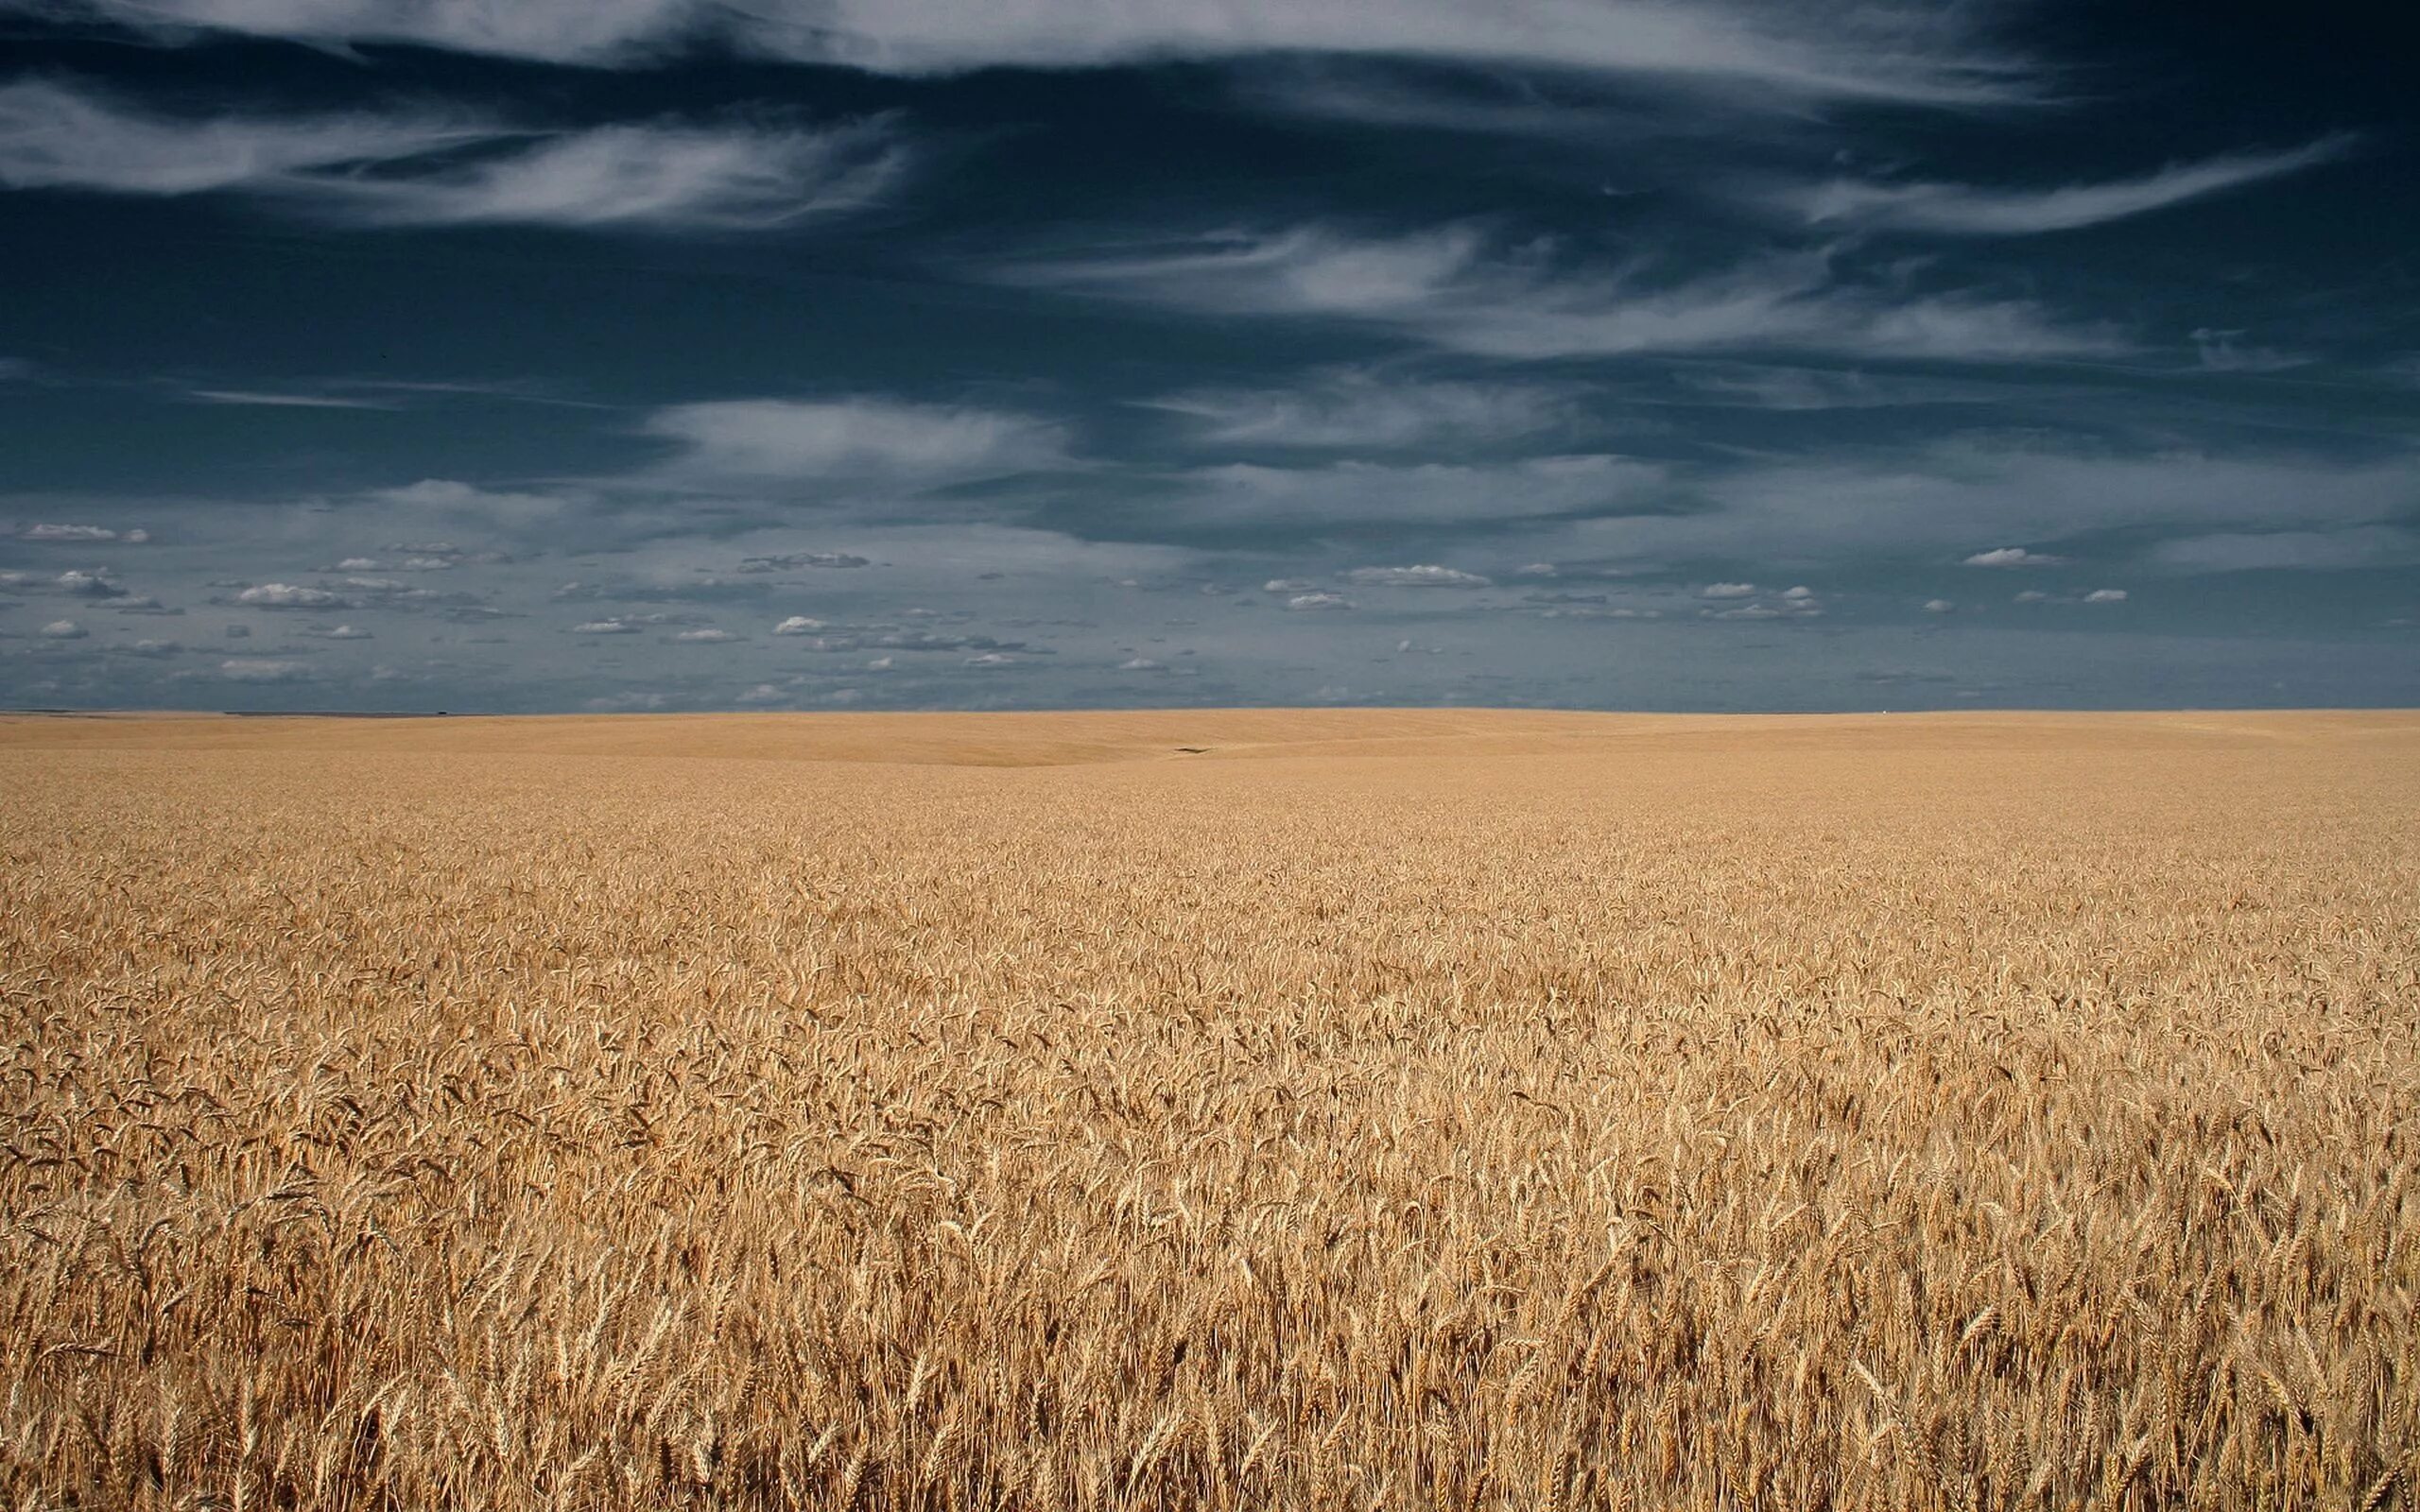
(405,169)
(1882,50)
(1962,210)
(1455,289)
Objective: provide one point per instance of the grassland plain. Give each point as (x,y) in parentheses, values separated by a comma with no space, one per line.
(1370,1111)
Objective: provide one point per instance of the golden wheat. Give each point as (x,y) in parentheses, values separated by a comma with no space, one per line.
(1376,1111)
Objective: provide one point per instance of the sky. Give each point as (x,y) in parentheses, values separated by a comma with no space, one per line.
(523,355)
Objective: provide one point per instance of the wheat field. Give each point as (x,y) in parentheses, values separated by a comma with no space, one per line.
(1360,1110)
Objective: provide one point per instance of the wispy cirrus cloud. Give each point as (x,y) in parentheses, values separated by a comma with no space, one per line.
(1455,288)
(1964,210)
(432,168)
(1877,50)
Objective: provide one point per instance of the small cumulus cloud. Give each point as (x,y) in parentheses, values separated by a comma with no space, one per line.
(2012,557)
(1940,606)
(1423,576)
(264,669)
(343,632)
(800,624)
(1141,663)
(2105,596)
(289,595)
(708,636)
(2032,595)
(77,583)
(1728,591)
(63,631)
(1318,602)
(611,626)
(1289,585)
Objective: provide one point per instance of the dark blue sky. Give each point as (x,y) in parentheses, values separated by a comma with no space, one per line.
(536,354)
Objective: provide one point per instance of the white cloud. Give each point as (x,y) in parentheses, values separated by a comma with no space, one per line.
(655,174)
(1290,585)
(1959,209)
(289,595)
(610,626)
(1940,606)
(63,631)
(264,669)
(994,659)
(1357,407)
(1727,590)
(1800,594)
(2105,596)
(77,583)
(81,535)
(345,632)
(704,637)
(859,439)
(1452,287)
(1879,51)
(2012,557)
(1423,576)
(155,649)
(1319,601)
(2032,595)
(1141,663)
(799,625)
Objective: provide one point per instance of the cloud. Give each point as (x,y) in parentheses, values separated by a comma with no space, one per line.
(2012,557)
(264,669)
(1727,590)
(800,624)
(1314,602)
(343,632)
(290,595)
(649,177)
(1346,493)
(2359,546)
(1354,407)
(274,401)
(608,626)
(1940,606)
(63,631)
(1881,51)
(1454,288)
(863,440)
(81,535)
(708,636)
(2221,352)
(2105,596)
(1958,210)
(792,560)
(1416,577)
(436,170)
(97,583)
